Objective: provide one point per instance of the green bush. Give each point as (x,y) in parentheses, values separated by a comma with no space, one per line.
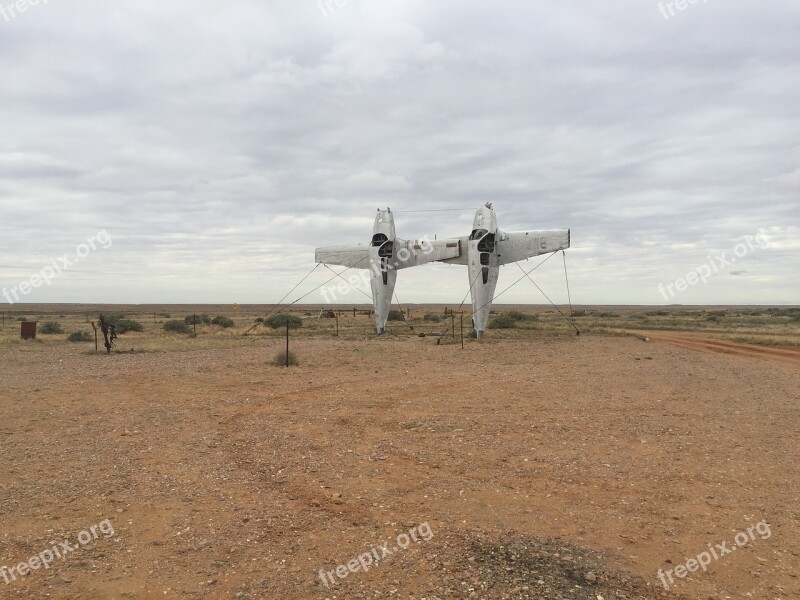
(223,322)
(260,320)
(126,325)
(177,326)
(51,327)
(79,336)
(279,321)
(503,322)
(510,319)
(520,316)
(123,325)
(203,319)
(280,359)
(396,315)
(432,317)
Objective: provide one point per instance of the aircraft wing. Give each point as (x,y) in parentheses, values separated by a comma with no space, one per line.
(519,245)
(462,257)
(420,252)
(355,256)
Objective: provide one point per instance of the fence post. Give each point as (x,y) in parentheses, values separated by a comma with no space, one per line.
(287,342)
(462,331)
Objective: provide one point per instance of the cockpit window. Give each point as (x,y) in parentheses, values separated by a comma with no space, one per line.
(487,243)
(478,234)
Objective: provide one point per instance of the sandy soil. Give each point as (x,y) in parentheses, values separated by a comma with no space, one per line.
(558,468)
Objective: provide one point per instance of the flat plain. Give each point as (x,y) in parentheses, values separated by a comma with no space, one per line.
(543,464)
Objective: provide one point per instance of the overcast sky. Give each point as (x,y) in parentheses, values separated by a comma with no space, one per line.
(219,143)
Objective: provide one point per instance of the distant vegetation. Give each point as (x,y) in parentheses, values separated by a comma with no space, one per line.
(223,322)
(396,315)
(509,320)
(433,317)
(79,336)
(279,321)
(177,326)
(123,325)
(51,327)
(203,319)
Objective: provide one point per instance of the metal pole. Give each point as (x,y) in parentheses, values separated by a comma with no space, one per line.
(194,323)
(462,331)
(287,341)
(453,323)
(337,324)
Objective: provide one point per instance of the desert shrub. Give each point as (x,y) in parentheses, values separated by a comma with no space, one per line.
(79,336)
(432,317)
(203,319)
(509,320)
(279,321)
(280,358)
(327,314)
(223,322)
(123,325)
(51,327)
(520,316)
(126,325)
(177,326)
(260,320)
(579,313)
(503,322)
(396,315)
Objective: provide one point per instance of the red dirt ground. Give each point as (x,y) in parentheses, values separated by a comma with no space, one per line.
(557,468)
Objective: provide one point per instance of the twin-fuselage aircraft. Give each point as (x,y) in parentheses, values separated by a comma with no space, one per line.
(483,251)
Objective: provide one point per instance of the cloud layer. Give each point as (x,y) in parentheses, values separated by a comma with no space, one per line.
(219,144)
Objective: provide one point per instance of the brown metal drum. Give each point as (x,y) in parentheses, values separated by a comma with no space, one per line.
(28,330)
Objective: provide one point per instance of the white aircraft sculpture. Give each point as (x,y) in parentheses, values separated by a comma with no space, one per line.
(483,251)
(383,256)
(487,248)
